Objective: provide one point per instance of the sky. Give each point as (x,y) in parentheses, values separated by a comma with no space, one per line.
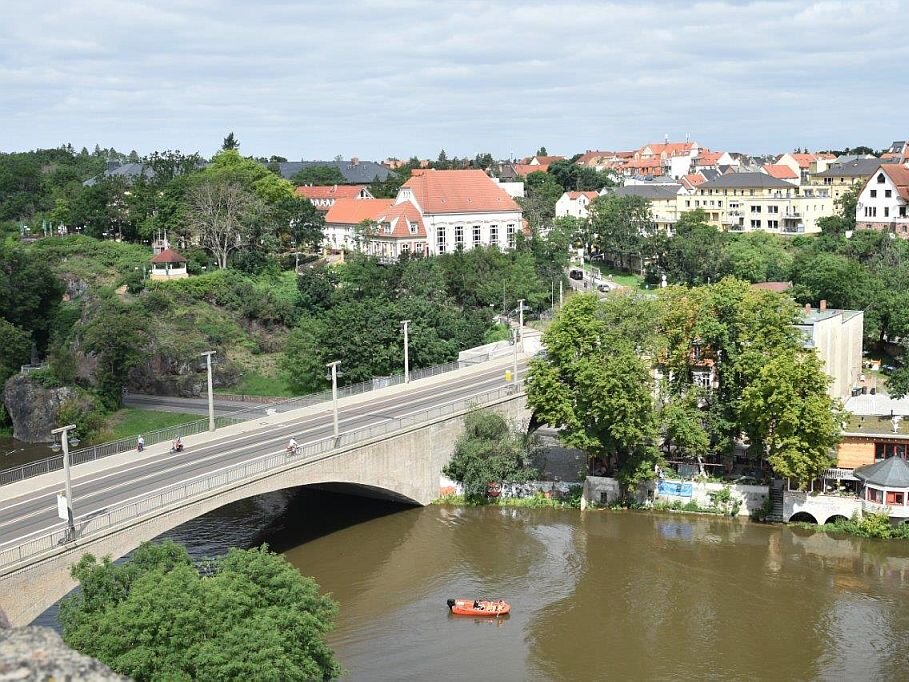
(397,78)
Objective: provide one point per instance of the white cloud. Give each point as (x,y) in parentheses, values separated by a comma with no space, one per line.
(372,78)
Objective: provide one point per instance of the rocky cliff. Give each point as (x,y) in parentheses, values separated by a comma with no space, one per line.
(33,408)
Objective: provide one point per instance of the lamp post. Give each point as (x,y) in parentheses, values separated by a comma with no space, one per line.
(521,317)
(560,294)
(67,483)
(211,400)
(514,370)
(334,392)
(406,353)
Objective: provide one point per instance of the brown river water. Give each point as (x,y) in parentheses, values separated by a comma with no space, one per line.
(594,596)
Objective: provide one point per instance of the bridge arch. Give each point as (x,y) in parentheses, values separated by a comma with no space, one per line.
(836,518)
(802,517)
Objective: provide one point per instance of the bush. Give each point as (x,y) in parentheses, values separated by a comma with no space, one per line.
(87,413)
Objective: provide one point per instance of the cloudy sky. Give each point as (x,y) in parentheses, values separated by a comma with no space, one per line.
(378,78)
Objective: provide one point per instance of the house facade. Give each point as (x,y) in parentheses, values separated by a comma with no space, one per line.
(836,336)
(462,209)
(344,217)
(745,202)
(843,177)
(323,197)
(883,203)
(574,204)
(663,200)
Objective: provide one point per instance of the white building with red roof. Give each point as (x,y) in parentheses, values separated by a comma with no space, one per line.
(462,209)
(168,264)
(344,218)
(574,204)
(781,172)
(323,197)
(883,203)
(675,158)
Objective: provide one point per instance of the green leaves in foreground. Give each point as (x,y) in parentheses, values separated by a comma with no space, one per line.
(155,617)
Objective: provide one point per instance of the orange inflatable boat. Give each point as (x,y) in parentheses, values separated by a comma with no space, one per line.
(479,607)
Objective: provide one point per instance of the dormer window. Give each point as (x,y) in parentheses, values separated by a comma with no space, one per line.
(880,178)
(386,228)
(413,228)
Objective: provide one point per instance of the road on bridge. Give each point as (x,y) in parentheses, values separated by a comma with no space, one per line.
(35,512)
(164,403)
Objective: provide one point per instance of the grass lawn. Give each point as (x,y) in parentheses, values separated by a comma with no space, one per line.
(626,279)
(130,421)
(254,383)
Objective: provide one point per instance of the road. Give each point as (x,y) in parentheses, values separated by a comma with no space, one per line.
(186,405)
(36,511)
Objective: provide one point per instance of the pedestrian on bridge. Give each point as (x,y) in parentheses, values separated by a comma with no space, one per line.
(140,443)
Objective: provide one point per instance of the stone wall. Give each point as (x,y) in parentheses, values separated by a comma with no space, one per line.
(33,408)
(600,491)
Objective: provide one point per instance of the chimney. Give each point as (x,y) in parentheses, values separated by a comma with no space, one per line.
(823,306)
(354,161)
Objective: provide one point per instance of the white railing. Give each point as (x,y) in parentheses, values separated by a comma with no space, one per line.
(94,452)
(182,493)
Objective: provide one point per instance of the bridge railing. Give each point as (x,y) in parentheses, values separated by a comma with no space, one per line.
(192,488)
(94,452)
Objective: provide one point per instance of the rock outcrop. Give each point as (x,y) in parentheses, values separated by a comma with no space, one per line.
(39,653)
(33,408)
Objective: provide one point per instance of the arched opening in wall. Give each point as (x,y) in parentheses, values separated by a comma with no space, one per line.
(835,519)
(802,517)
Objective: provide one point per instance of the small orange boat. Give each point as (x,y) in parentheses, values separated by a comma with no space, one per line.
(479,607)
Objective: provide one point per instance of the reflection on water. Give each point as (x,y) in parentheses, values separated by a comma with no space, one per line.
(598,596)
(14,452)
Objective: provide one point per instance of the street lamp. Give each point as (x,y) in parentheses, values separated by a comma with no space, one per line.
(514,370)
(521,317)
(406,353)
(334,392)
(65,505)
(211,400)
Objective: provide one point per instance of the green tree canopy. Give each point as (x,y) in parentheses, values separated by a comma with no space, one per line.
(156,617)
(319,175)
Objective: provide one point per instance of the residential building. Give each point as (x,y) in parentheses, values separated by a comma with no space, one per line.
(545,161)
(344,218)
(842,177)
(462,209)
(758,201)
(323,197)
(897,152)
(574,204)
(836,336)
(399,231)
(708,160)
(877,428)
(805,163)
(675,158)
(515,189)
(882,203)
(663,199)
(355,171)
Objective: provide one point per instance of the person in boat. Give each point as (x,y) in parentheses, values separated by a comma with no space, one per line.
(476,604)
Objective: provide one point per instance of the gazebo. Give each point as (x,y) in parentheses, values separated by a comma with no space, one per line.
(168,265)
(885,488)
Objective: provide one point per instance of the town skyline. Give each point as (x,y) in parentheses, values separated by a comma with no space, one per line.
(379,79)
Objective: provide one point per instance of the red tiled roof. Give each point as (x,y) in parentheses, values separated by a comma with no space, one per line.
(669,148)
(329,191)
(458,191)
(547,159)
(574,196)
(804,160)
(707,158)
(779,171)
(900,176)
(168,256)
(587,157)
(349,211)
(695,179)
(526,169)
(401,217)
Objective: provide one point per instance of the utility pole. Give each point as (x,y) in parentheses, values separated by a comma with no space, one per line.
(67,515)
(560,294)
(406,354)
(552,294)
(504,307)
(334,392)
(211,399)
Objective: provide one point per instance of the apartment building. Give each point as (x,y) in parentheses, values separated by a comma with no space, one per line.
(842,177)
(757,201)
(663,200)
(574,204)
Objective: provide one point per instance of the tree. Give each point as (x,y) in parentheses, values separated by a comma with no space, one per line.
(790,418)
(230,142)
(442,162)
(756,257)
(541,151)
(30,293)
(117,334)
(620,225)
(595,386)
(319,174)
(17,348)
(693,254)
(490,451)
(682,421)
(539,205)
(219,213)
(155,616)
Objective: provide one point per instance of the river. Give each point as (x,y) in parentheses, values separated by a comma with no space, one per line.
(595,596)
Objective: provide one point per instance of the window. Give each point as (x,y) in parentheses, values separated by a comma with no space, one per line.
(773,209)
(719,204)
(750,192)
(386,228)
(888,193)
(873,193)
(688,203)
(459,235)
(773,224)
(509,232)
(405,248)
(828,181)
(419,247)
(886,211)
(887,450)
(874,495)
(880,178)
(494,234)
(894,498)
(902,211)
(412,227)
(756,224)
(440,240)
(476,235)
(870,211)
(755,209)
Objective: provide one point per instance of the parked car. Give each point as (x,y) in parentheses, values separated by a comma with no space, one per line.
(604,287)
(576,274)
